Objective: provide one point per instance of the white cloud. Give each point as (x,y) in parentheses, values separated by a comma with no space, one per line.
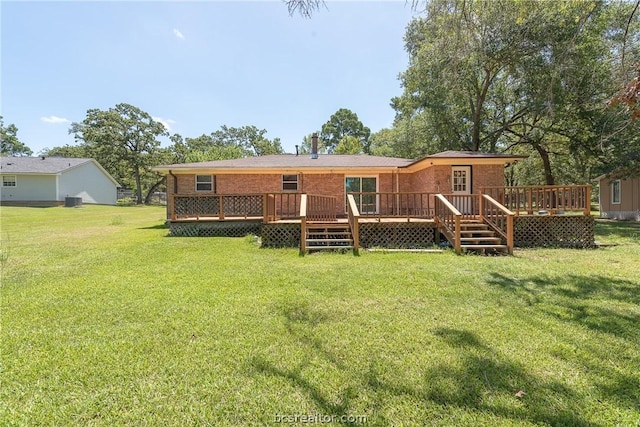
(55,119)
(178,34)
(165,122)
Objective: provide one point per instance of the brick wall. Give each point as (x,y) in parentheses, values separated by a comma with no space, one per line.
(436,179)
(486,176)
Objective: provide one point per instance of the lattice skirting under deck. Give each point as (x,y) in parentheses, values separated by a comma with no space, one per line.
(398,235)
(280,235)
(555,231)
(214,229)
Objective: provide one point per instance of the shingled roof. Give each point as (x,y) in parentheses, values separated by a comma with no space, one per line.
(46,165)
(39,165)
(288,161)
(327,161)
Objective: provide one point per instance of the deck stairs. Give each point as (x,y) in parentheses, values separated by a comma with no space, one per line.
(476,236)
(328,236)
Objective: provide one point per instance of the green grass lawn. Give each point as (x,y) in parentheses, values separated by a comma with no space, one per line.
(107,321)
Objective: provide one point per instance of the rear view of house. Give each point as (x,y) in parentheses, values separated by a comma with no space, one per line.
(48,181)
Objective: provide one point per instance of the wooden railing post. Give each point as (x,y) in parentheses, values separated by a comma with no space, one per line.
(510,242)
(220,207)
(354,222)
(587,201)
(458,243)
(265,212)
(303,224)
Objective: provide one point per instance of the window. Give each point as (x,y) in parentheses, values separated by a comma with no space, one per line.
(9,180)
(615,191)
(204,183)
(289,182)
(365,189)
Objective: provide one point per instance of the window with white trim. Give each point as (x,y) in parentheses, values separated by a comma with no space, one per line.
(204,182)
(9,181)
(615,192)
(289,182)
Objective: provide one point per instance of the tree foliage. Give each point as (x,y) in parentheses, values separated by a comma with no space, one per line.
(10,145)
(341,124)
(124,139)
(496,75)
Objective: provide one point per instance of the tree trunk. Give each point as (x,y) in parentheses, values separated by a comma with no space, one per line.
(136,174)
(546,163)
(154,187)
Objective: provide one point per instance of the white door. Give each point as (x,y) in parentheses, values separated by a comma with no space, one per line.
(461,188)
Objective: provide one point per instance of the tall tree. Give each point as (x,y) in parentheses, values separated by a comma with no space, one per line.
(250,139)
(10,145)
(123,139)
(490,75)
(341,124)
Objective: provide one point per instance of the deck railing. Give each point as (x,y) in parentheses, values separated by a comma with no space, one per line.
(467,204)
(354,219)
(389,205)
(281,206)
(545,199)
(321,208)
(216,206)
(448,219)
(497,217)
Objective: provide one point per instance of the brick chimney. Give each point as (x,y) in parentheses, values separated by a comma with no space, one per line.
(314,146)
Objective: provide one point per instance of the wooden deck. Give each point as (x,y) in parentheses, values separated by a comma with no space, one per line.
(556,216)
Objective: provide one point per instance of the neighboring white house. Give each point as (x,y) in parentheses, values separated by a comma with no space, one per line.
(50,180)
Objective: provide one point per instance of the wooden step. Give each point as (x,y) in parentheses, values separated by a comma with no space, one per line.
(480,239)
(483,246)
(484,232)
(309,241)
(325,247)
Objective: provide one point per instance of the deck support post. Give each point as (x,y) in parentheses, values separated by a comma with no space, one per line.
(587,200)
(458,243)
(303,224)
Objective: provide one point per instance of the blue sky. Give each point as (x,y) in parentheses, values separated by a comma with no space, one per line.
(199,65)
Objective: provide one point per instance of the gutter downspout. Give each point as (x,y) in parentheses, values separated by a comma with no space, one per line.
(171,211)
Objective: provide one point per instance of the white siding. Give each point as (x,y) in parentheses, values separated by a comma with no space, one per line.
(90,183)
(37,188)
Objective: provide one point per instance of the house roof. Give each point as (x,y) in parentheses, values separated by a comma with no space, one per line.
(330,161)
(472,155)
(45,165)
(288,161)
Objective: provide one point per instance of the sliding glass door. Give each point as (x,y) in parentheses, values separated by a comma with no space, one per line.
(367,203)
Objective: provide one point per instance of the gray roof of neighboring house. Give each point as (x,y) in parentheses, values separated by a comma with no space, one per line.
(45,165)
(302,161)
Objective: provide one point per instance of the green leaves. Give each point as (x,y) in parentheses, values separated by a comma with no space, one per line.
(341,124)
(10,145)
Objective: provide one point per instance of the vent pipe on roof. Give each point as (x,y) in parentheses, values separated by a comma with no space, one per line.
(314,146)
(296,150)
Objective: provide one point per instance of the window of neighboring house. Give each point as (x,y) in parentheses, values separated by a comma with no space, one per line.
(615,191)
(204,182)
(9,181)
(289,182)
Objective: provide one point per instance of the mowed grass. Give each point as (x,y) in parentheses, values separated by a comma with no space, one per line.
(106,321)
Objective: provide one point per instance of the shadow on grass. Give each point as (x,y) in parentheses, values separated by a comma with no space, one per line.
(300,321)
(579,299)
(479,381)
(162,226)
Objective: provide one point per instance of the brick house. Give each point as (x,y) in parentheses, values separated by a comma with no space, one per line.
(449,172)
